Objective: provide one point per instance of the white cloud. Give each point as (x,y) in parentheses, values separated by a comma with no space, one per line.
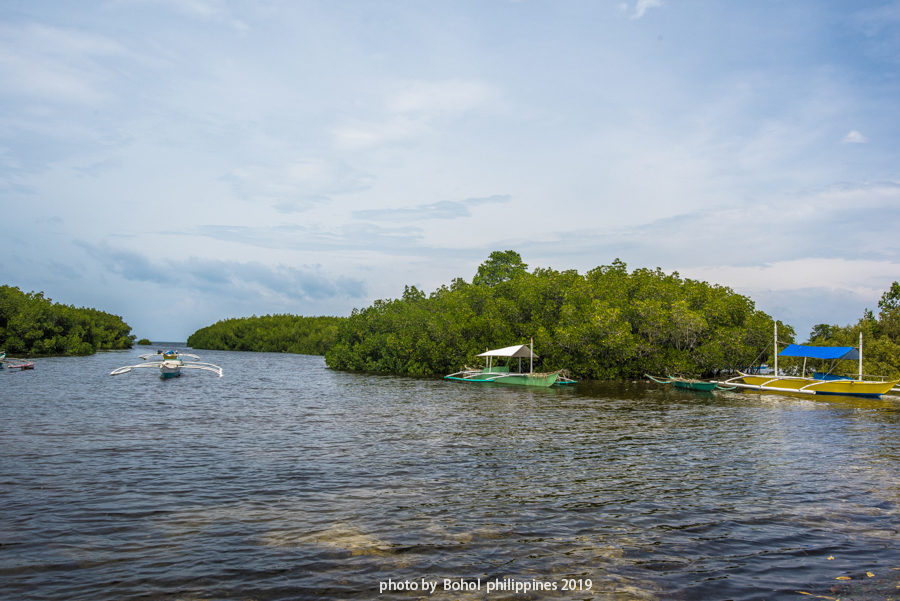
(865,278)
(250,279)
(642,6)
(445,209)
(434,97)
(804,292)
(690,158)
(55,65)
(412,110)
(205,10)
(298,185)
(359,135)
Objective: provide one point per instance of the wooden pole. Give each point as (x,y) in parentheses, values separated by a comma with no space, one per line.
(860,355)
(531,369)
(776,348)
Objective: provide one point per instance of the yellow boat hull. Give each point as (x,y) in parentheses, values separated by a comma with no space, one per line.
(811,386)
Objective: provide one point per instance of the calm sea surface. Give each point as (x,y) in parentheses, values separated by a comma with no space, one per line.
(286,480)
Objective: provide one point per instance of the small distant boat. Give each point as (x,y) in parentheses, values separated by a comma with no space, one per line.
(14,363)
(690,384)
(501,374)
(169,364)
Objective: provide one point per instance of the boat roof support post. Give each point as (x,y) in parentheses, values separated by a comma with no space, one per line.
(531,369)
(776,347)
(860,355)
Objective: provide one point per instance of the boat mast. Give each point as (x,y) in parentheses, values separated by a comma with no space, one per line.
(776,349)
(860,356)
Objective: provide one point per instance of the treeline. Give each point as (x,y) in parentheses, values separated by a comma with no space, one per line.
(269,333)
(881,337)
(605,324)
(31,325)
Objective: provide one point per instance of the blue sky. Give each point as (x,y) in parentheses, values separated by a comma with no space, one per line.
(177,162)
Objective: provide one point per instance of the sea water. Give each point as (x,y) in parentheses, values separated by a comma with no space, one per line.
(287,480)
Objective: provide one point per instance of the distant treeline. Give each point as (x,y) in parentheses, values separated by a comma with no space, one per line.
(605,324)
(31,325)
(269,333)
(881,338)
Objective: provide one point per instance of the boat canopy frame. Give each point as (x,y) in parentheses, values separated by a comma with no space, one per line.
(519,350)
(849,353)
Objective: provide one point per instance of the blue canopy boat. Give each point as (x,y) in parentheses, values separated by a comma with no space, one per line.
(820,383)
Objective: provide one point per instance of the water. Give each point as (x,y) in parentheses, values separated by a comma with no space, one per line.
(286,480)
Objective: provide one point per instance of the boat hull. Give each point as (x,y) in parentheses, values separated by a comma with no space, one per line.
(170,369)
(687,384)
(705,386)
(811,386)
(537,380)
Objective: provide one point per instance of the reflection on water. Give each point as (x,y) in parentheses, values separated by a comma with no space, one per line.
(285,480)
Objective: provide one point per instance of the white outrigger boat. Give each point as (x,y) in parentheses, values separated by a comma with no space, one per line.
(500,374)
(820,383)
(169,364)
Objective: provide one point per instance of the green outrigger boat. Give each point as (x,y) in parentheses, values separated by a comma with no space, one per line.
(11,363)
(691,384)
(501,374)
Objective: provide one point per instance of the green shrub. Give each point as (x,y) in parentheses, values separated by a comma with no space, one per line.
(269,333)
(605,324)
(32,325)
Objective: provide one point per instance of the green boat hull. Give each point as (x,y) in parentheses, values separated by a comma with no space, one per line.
(537,380)
(707,386)
(690,384)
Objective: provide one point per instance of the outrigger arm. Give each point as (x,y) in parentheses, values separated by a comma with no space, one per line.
(157,364)
(125,370)
(206,366)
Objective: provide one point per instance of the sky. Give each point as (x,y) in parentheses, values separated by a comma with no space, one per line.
(178,162)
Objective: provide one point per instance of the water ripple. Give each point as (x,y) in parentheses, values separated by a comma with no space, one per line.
(286,480)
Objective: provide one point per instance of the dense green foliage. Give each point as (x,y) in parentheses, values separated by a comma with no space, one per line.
(32,325)
(606,324)
(144,342)
(269,333)
(500,267)
(881,338)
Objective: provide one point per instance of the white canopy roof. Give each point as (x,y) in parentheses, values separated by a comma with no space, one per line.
(521,350)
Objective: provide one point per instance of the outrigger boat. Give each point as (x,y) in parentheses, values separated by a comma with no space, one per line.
(500,374)
(169,364)
(820,383)
(690,384)
(14,363)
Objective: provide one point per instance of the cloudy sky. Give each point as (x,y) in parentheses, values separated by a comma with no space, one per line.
(177,162)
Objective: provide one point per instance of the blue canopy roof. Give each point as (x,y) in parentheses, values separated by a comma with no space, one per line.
(820,352)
